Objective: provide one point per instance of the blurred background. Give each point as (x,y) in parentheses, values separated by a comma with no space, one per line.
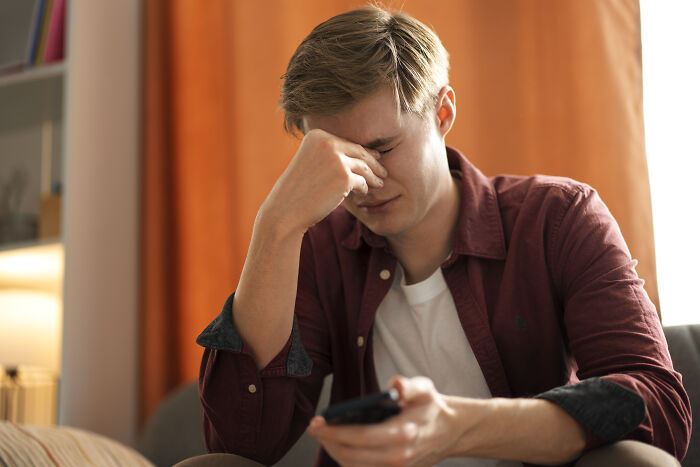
(134,157)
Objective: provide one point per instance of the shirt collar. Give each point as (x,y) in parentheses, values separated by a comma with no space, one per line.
(479,228)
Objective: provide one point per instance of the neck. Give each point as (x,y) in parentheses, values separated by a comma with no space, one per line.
(424,249)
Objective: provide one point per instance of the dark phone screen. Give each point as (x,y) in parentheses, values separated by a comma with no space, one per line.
(374,408)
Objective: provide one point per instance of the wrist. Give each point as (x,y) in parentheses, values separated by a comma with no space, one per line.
(523,429)
(277,224)
(467,415)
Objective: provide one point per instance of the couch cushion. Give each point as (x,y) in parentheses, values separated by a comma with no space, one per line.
(50,445)
(684,346)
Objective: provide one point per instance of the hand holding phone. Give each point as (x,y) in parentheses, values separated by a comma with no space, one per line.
(374,408)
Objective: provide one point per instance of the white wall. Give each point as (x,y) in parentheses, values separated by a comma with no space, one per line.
(671,74)
(98,388)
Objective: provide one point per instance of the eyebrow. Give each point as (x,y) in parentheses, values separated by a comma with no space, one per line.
(379,142)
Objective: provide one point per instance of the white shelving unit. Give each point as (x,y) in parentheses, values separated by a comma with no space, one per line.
(32,129)
(85,113)
(33,74)
(31,143)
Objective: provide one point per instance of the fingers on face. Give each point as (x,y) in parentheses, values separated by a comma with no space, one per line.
(359,167)
(359,184)
(374,163)
(369,156)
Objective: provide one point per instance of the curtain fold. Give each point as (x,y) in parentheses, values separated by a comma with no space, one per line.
(191,250)
(546,86)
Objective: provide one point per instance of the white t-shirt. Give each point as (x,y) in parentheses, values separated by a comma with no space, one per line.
(417,333)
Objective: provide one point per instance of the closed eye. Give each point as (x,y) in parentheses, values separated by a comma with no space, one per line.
(385,151)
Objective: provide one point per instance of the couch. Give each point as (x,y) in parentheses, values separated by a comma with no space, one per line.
(174,431)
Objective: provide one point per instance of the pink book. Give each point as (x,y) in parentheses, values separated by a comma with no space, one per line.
(53,50)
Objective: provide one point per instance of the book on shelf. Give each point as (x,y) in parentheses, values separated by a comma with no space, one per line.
(35,32)
(55,39)
(28,395)
(41,44)
(32,32)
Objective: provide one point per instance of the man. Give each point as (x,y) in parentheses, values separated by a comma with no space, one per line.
(509,306)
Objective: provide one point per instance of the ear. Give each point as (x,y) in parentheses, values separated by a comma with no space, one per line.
(445,110)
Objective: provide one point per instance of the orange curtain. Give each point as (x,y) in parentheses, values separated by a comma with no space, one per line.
(543,86)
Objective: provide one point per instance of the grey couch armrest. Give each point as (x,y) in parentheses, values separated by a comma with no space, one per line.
(684,346)
(174,433)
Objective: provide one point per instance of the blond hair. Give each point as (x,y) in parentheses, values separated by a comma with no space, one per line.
(354,54)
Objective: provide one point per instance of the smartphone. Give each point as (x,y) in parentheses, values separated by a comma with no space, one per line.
(374,408)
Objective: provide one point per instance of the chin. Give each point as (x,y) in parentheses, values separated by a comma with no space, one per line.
(384,227)
(387,224)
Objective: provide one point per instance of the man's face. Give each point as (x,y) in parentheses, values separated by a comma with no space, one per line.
(413,153)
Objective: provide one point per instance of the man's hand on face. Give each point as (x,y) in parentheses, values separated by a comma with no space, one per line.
(422,434)
(323,172)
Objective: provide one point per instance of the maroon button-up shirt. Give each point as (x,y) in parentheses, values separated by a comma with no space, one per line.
(546,293)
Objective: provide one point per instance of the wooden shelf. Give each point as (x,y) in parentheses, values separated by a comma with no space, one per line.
(37,73)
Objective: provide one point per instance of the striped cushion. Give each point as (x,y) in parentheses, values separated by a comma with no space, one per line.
(62,446)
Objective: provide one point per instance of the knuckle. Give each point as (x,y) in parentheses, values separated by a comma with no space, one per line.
(407,434)
(363,151)
(326,143)
(426,383)
(346,172)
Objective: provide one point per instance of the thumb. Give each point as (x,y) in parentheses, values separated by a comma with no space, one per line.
(411,389)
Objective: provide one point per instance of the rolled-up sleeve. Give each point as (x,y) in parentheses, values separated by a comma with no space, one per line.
(260,413)
(628,387)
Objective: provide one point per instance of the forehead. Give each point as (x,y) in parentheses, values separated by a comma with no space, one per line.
(375,117)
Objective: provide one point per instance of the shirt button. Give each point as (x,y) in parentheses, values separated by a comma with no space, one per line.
(252,389)
(360,341)
(385,274)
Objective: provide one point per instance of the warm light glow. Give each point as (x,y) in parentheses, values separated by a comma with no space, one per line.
(30,329)
(39,268)
(671,73)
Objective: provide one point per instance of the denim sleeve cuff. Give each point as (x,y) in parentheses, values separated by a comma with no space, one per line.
(221,334)
(604,408)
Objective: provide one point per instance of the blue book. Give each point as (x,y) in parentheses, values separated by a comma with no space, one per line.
(36,32)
